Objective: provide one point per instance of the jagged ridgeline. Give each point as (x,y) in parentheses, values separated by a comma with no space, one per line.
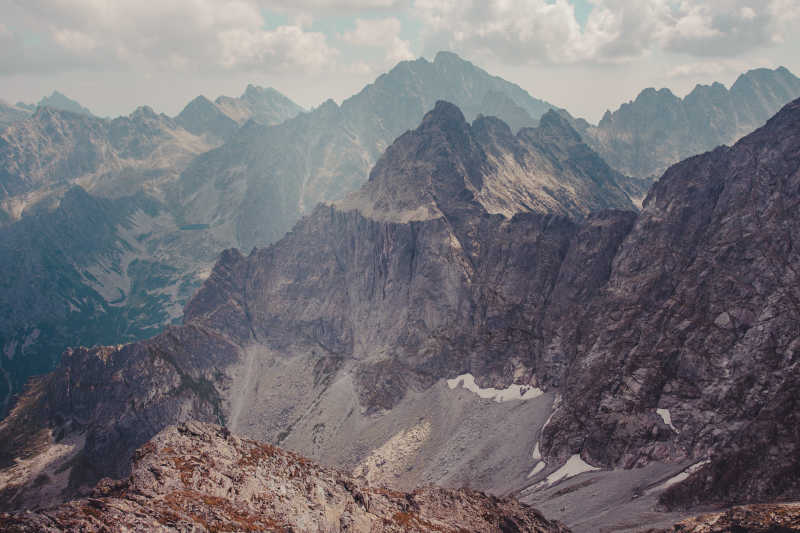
(434,327)
(271,165)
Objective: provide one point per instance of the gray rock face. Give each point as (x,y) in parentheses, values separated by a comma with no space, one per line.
(200,477)
(644,137)
(143,266)
(257,185)
(668,336)
(441,164)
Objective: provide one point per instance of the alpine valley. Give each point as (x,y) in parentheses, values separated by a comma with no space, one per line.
(458,308)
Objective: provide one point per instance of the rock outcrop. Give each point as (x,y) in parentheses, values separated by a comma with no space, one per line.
(775,518)
(200,477)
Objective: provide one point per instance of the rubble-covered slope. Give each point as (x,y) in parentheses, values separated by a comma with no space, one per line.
(200,477)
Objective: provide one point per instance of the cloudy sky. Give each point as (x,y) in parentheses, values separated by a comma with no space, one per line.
(585,55)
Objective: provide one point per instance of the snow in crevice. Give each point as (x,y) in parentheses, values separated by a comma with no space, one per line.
(679,477)
(667,418)
(512,392)
(538,468)
(537,454)
(574,466)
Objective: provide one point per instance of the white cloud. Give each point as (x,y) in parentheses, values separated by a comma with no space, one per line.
(350,5)
(197,35)
(381,33)
(545,31)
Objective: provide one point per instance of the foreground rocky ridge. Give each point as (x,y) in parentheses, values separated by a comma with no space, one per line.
(663,338)
(201,477)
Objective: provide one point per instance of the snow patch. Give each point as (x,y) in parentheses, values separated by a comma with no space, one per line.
(512,392)
(680,477)
(574,466)
(667,418)
(538,468)
(537,454)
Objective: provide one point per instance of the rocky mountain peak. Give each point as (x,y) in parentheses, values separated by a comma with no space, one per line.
(555,128)
(448,165)
(446,118)
(201,116)
(645,136)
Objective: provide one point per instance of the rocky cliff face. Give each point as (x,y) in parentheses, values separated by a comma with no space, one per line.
(257,185)
(644,137)
(135,281)
(201,477)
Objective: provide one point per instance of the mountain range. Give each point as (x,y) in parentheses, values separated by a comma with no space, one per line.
(657,129)
(416,333)
(212,204)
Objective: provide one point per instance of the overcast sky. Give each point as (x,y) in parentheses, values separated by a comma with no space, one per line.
(584,55)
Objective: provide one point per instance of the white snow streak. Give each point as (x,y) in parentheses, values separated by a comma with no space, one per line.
(538,468)
(574,466)
(667,418)
(512,392)
(680,477)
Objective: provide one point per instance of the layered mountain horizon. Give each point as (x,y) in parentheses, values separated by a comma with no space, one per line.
(386,331)
(443,281)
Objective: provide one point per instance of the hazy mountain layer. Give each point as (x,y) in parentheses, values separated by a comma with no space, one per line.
(259,183)
(262,105)
(10,114)
(220,119)
(644,137)
(53,150)
(44,155)
(62,103)
(92,271)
